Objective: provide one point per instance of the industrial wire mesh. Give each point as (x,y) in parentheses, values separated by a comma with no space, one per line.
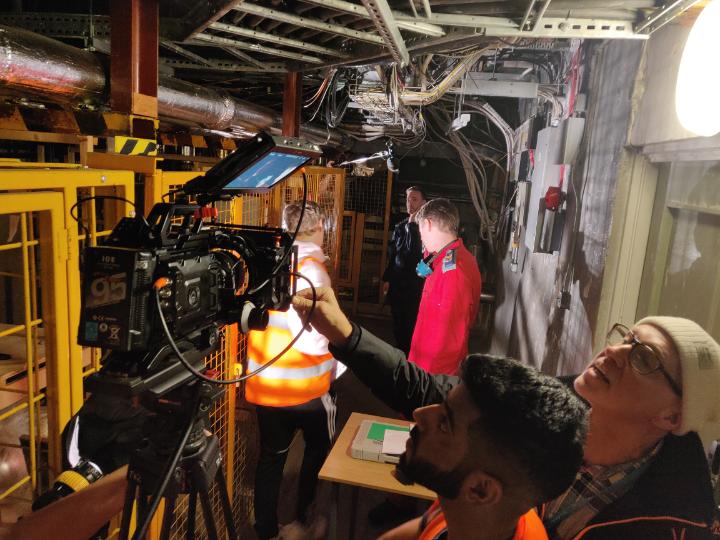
(364,237)
(236,428)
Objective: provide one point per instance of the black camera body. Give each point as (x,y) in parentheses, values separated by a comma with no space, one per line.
(209,272)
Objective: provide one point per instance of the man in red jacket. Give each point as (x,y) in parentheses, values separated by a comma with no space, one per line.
(451,295)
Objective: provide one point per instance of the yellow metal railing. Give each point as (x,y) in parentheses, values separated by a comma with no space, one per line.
(46,312)
(75,184)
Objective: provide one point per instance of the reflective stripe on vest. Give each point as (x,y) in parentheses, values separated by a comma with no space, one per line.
(295,378)
(274,372)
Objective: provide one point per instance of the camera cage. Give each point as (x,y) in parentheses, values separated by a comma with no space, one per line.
(173,239)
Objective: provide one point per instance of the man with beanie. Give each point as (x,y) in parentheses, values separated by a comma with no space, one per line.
(653,392)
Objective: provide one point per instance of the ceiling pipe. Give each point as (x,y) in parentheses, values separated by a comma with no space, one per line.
(54,71)
(35,64)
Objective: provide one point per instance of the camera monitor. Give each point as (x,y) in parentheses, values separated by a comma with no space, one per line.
(256,166)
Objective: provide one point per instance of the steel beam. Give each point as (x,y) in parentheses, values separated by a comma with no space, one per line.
(134,43)
(59,24)
(207,12)
(478,87)
(242,56)
(417,26)
(227,42)
(664,15)
(526,16)
(223,65)
(305,22)
(541,13)
(183,52)
(273,38)
(387,27)
(466,21)
(559,28)
(292,104)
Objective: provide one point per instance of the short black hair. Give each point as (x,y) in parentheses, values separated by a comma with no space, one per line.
(418,189)
(533,418)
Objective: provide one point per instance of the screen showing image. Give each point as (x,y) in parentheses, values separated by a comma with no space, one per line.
(268,171)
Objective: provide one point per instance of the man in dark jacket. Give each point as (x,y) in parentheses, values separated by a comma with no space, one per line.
(652,390)
(401,283)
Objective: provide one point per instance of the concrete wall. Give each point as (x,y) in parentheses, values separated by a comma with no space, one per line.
(656,120)
(528,323)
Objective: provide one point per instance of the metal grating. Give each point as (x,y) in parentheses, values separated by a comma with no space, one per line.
(366,200)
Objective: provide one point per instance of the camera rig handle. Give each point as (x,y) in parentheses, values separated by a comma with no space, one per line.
(161,221)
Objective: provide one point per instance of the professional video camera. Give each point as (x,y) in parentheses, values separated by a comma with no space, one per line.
(155,295)
(203,274)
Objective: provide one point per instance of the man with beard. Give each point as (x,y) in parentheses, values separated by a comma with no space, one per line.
(506,439)
(653,394)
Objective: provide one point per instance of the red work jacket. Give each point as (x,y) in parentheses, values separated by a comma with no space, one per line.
(448,308)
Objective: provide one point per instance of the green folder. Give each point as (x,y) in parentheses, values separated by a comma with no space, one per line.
(377,431)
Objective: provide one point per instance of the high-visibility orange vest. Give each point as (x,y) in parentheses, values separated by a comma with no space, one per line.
(529,526)
(295,378)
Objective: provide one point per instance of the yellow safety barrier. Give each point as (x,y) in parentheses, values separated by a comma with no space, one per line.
(35,338)
(74,185)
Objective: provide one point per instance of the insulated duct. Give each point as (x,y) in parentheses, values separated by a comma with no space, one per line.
(208,107)
(34,64)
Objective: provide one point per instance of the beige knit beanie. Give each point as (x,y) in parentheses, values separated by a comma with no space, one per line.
(700,364)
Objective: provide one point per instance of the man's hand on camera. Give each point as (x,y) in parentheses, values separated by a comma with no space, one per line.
(327,318)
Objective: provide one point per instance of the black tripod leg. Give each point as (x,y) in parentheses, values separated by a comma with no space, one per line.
(127,507)
(142,507)
(225,501)
(208,516)
(168,516)
(192,507)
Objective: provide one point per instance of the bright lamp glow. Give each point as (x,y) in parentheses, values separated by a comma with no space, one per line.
(697,94)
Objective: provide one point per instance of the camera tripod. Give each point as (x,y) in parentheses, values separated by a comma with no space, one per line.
(198,467)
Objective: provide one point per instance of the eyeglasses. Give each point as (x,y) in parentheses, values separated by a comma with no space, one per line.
(644,358)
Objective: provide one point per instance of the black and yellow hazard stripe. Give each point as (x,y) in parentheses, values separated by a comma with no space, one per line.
(131,146)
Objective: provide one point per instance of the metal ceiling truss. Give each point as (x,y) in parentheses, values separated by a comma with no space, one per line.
(416,26)
(242,56)
(463,21)
(208,12)
(177,49)
(223,65)
(664,15)
(566,28)
(209,39)
(59,24)
(274,38)
(306,22)
(384,21)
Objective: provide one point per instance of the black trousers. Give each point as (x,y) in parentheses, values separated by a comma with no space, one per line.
(277,425)
(404,306)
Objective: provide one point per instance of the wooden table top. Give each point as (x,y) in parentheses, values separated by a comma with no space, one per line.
(341,467)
